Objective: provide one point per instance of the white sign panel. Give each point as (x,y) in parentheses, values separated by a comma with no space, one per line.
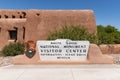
(63,49)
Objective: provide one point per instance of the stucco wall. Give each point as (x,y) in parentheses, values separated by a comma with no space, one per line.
(39,23)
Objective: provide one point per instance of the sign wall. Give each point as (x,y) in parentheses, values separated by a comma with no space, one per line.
(62,49)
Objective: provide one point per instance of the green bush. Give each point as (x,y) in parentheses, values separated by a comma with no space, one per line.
(13,49)
(108,35)
(74,33)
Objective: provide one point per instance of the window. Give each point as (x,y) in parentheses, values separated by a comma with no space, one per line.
(13,16)
(38,14)
(23,33)
(0,29)
(6,16)
(24,14)
(13,34)
(18,12)
(21,16)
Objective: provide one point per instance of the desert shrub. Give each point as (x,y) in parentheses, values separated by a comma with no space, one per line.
(13,49)
(108,35)
(74,33)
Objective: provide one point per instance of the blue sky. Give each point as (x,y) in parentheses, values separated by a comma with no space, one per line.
(107,12)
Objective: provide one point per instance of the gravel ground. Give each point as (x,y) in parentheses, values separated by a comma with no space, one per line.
(116,58)
(4,61)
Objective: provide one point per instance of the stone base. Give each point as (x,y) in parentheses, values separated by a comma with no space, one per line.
(110,48)
(95,56)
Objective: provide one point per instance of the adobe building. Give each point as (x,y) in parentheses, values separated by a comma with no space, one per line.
(24,25)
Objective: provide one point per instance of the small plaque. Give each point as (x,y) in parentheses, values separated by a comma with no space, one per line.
(62,49)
